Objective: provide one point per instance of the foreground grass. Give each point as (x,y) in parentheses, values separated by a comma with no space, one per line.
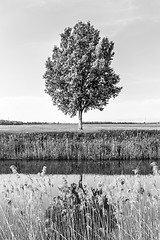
(133,208)
(94,146)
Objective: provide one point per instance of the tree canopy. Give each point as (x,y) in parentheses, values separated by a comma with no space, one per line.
(79,76)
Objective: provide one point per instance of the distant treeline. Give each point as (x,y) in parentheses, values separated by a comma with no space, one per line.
(8,122)
(96,122)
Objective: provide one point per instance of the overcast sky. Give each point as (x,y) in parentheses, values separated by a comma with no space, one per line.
(30,28)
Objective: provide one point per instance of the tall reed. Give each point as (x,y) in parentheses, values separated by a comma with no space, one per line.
(99,146)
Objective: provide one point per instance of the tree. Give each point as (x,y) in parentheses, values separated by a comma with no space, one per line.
(79,76)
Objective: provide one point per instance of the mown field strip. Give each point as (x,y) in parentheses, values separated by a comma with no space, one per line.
(63,127)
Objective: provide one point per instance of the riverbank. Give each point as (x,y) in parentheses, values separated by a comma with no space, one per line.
(81,146)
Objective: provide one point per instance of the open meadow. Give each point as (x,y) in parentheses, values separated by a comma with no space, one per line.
(64,127)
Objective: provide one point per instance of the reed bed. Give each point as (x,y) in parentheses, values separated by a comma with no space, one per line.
(128,208)
(98,146)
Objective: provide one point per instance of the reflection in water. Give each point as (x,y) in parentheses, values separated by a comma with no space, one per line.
(42,183)
(70,167)
(58,180)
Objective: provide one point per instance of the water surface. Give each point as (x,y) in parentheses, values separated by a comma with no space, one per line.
(75,167)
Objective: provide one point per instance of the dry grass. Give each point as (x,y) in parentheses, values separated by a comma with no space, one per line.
(135,202)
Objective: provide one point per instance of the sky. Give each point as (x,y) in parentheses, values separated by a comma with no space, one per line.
(29,29)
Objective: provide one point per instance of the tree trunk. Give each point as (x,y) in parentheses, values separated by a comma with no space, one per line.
(80,127)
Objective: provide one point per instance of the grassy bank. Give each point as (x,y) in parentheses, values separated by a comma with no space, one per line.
(94,146)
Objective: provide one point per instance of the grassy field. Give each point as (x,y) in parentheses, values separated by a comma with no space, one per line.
(73,127)
(123,208)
